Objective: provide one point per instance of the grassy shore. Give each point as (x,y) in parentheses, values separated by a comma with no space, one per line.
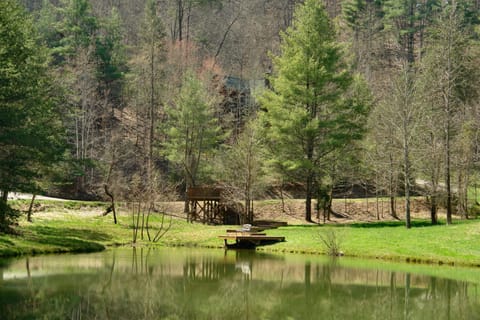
(80,227)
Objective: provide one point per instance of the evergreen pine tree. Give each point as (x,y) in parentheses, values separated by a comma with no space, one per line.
(30,131)
(308,112)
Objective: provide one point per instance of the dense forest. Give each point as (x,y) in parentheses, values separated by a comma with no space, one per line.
(140,100)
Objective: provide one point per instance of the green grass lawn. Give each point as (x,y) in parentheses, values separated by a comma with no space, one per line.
(60,228)
(454,244)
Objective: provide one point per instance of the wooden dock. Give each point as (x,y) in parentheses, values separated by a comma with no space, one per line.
(245,239)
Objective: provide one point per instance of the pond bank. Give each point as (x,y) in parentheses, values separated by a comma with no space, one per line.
(80,230)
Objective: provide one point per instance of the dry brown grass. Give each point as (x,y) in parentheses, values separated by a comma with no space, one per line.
(291,211)
(355,210)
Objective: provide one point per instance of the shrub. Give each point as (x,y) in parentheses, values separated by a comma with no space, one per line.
(332,242)
(8,217)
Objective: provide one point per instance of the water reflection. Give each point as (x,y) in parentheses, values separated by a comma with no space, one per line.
(192,284)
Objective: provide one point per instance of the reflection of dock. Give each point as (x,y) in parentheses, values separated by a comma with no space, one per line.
(248,239)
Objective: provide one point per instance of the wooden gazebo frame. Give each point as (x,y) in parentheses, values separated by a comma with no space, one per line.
(205,205)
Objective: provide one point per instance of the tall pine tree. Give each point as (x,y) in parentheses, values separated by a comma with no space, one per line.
(310,111)
(30,131)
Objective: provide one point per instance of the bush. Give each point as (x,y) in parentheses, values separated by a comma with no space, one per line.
(8,217)
(332,242)
(474,211)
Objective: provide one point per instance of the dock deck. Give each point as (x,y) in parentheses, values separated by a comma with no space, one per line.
(249,240)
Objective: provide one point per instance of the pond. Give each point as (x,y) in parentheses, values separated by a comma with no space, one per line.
(215,284)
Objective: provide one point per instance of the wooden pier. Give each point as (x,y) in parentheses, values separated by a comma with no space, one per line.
(246,238)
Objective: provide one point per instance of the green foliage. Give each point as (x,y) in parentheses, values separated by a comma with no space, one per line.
(240,167)
(111,52)
(423,243)
(315,106)
(356,12)
(474,211)
(316,110)
(332,242)
(153,29)
(406,19)
(192,129)
(241,162)
(89,63)
(469,12)
(78,26)
(77,205)
(309,102)
(407,16)
(30,129)
(56,231)
(8,217)
(46,24)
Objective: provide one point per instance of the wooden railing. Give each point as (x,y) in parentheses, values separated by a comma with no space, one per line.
(204,194)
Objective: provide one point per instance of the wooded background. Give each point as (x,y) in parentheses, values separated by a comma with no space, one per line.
(145,98)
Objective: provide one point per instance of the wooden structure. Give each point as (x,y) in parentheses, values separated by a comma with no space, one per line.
(248,238)
(205,205)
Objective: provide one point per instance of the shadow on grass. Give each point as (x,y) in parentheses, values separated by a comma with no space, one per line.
(69,239)
(306,226)
(386,224)
(7,242)
(84,234)
(374,224)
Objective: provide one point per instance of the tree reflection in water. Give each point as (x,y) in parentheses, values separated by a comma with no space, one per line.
(189,284)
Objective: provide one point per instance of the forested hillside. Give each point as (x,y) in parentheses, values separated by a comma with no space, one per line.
(140,100)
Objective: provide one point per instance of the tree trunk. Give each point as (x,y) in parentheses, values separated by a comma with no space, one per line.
(365,188)
(112,203)
(186,207)
(30,208)
(393,210)
(434,181)
(448,176)
(3,207)
(476,196)
(411,33)
(180,13)
(462,206)
(329,203)
(151,112)
(407,207)
(308,199)
(311,185)
(406,159)
(251,210)
(433,209)
(447,128)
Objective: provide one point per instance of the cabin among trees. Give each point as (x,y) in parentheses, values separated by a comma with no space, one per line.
(238,99)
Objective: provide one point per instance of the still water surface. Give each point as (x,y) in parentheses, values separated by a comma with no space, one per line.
(213,284)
